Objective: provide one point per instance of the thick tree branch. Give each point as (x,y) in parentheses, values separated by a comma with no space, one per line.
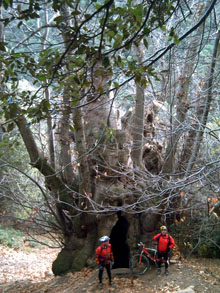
(37,160)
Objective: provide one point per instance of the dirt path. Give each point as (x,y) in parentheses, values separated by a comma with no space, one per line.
(183,276)
(27,272)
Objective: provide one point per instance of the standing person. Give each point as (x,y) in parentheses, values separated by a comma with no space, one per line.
(164,243)
(103,258)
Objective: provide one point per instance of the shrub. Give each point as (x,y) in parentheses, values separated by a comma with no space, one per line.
(198,235)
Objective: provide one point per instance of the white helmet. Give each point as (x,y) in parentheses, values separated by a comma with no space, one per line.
(104,238)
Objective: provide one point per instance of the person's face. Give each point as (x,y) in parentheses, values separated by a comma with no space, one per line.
(164,232)
(106,242)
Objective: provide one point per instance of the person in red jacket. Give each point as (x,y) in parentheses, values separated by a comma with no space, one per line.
(103,258)
(164,243)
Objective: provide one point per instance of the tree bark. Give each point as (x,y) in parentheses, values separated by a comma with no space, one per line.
(82,162)
(37,160)
(208,101)
(191,135)
(138,119)
(50,134)
(182,102)
(65,139)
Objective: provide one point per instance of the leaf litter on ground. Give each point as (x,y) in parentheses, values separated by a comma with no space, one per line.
(29,270)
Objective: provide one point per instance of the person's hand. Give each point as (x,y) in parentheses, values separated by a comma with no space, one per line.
(100,267)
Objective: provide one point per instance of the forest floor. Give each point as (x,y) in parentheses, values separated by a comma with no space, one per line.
(29,270)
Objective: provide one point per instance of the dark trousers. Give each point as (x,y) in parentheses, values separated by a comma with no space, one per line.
(108,269)
(161,255)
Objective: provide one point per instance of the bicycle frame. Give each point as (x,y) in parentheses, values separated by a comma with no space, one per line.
(140,263)
(145,251)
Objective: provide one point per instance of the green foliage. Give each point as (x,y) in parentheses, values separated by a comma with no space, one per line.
(11,237)
(110,134)
(210,236)
(53,66)
(173,36)
(199,235)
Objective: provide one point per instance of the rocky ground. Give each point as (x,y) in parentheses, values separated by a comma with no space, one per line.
(29,270)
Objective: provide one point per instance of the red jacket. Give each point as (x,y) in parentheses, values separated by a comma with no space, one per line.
(165,242)
(104,254)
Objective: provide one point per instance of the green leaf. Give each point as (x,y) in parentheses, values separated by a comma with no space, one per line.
(2,47)
(145,43)
(116,85)
(118,41)
(76,79)
(87,16)
(40,77)
(37,6)
(111,34)
(101,90)
(146,31)
(76,12)
(58,19)
(7,3)
(106,62)
(71,128)
(34,15)
(44,105)
(176,39)
(98,6)
(138,12)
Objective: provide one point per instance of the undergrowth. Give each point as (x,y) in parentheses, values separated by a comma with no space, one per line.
(11,237)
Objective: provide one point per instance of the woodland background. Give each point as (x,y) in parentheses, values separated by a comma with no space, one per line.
(107,107)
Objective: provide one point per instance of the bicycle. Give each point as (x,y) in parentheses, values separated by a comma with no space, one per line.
(140,263)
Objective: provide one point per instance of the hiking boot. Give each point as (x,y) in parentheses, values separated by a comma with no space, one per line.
(111,283)
(100,285)
(166,272)
(158,271)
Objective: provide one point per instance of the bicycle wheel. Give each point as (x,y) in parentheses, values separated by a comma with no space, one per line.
(139,264)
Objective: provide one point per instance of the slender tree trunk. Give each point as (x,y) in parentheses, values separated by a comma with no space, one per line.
(138,119)
(208,101)
(182,102)
(82,162)
(191,135)
(2,37)
(65,138)
(50,134)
